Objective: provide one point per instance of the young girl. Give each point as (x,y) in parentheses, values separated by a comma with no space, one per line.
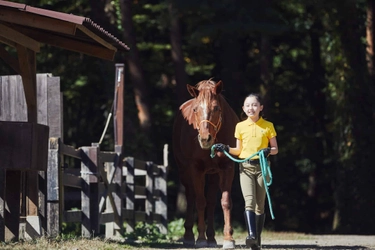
(253,134)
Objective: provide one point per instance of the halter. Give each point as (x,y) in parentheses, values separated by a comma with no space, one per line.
(216,127)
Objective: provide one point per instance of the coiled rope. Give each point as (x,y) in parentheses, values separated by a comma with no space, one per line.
(265,168)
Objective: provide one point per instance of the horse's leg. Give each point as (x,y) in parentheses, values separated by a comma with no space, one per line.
(226,179)
(189,239)
(200,203)
(213,187)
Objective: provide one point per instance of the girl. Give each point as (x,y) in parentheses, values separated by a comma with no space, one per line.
(253,134)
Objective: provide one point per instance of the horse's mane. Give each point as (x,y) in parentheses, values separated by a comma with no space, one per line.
(206,91)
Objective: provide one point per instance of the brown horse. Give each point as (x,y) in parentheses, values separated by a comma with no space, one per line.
(204,120)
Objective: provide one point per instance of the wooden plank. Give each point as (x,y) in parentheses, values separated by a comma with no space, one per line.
(20,138)
(40,22)
(106,218)
(42,98)
(12,219)
(130,196)
(70,44)
(19,38)
(161,204)
(89,194)
(12,104)
(53,171)
(115,228)
(55,114)
(109,193)
(95,37)
(27,61)
(149,202)
(70,180)
(106,156)
(53,178)
(53,219)
(72,216)
(118,118)
(70,151)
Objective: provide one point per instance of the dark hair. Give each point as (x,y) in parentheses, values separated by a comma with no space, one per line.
(259,99)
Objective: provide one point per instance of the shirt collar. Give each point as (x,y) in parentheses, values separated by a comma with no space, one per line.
(250,122)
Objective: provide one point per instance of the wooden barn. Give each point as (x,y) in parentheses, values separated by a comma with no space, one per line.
(24,140)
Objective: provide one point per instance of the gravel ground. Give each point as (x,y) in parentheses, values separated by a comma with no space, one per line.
(271,241)
(324,242)
(308,242)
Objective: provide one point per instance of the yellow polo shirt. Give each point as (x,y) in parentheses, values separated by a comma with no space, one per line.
(254,136)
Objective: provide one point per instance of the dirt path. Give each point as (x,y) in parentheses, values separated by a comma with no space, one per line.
(324,242)
(271,241)
(308,242)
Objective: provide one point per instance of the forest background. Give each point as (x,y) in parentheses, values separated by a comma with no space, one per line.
(313,61)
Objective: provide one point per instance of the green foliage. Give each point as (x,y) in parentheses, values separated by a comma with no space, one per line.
(146,233)
(320,98)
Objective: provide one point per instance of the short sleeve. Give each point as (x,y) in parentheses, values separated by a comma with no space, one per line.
(272,132)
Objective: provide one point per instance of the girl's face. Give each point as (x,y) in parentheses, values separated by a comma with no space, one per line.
(252,107)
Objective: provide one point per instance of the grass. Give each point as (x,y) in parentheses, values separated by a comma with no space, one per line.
(144,236)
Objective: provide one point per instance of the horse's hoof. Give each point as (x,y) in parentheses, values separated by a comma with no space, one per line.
(211,243)
(189,243)
(201,243)
(229,244)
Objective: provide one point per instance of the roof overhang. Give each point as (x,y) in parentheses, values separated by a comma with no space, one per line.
(26,25)
(26,28)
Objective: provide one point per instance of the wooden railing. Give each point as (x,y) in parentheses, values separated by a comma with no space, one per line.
(109,187)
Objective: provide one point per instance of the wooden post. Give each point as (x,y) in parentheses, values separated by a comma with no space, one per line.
(53,180)
(89,193)
(12,197)
(149,202)
(130,196)
(161,206)
(115,228)
(118,118)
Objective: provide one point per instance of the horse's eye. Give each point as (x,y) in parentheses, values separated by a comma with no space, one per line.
(195,110)
(216,108)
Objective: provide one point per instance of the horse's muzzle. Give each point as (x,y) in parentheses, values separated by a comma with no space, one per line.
(206,143)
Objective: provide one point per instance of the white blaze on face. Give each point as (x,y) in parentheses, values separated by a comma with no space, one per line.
(204,106)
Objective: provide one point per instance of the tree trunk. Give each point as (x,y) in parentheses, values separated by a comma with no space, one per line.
(354,180)
(181,91)
(370,36)
(177,56)
(135,69)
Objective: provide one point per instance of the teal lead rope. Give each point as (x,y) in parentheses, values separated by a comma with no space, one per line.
(266,170)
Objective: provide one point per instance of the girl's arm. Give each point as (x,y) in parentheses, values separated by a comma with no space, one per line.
(273,145)
(237,150)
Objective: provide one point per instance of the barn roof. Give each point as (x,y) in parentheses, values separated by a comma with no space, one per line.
(29,26)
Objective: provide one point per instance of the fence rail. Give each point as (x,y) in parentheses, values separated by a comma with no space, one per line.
(112,190)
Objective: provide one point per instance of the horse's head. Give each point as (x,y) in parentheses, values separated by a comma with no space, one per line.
(204,111)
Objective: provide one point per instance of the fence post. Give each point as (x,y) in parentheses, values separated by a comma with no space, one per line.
(130,196)
(115,228)
(149,205)
(161,185)
(89,193)
(54,186)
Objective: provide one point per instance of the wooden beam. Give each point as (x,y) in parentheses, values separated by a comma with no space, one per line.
(96,38)
(25,18)
(70,44)
(27,61)
(19,38)
(10,60)
(7,42)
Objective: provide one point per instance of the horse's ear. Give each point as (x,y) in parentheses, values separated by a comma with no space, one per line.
(219,87)
(192,90)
